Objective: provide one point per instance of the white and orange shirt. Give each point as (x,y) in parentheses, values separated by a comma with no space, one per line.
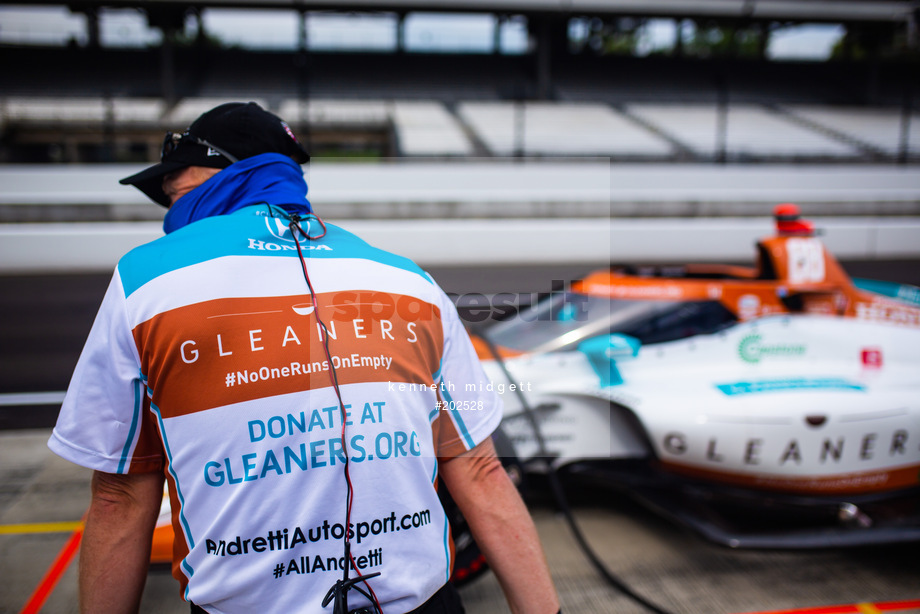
(206,362)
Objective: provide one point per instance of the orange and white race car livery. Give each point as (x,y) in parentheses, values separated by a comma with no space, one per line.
(786,381)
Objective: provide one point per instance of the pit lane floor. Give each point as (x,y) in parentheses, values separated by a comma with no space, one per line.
(42,499)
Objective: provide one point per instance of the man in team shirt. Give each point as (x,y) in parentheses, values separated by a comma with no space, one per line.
(300,391)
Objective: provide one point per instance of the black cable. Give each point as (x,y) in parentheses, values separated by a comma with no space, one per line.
(338,593)
(340,589)
(559,492)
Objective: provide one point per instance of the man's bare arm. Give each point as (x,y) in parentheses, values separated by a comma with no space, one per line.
(115,553)
(502,527)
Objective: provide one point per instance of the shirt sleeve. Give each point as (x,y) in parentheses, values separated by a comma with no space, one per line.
(470,409)
(104,423)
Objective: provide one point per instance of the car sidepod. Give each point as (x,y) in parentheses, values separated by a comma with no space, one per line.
(811,421)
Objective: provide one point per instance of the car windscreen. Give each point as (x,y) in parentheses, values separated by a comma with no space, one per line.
(562,321)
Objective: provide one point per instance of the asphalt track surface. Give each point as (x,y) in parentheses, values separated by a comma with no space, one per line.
(44,320)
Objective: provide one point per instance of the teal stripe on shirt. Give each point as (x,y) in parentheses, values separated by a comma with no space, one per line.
(242,234)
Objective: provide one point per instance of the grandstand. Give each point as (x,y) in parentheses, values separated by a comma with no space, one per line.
(413,128)
(90,104)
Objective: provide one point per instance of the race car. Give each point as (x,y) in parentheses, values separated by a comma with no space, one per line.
(770,406)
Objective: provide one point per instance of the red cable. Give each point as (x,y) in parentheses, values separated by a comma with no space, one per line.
(54,573)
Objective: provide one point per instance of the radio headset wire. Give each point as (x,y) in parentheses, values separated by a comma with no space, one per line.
(338,593)
(559,492)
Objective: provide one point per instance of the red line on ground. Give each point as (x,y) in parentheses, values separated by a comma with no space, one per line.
(833,609)
(54,573)
(885,606)
(894,606)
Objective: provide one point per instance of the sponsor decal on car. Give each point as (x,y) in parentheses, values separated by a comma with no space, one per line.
(799,383)
(752,349)
(888,312)
(872,358)
(748,306)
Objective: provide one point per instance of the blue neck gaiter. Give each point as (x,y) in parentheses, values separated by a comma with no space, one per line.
(267,178)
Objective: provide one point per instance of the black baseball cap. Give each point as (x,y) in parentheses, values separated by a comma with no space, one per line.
(226,134)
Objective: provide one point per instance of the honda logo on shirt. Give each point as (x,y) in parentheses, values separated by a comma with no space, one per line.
(280,228)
